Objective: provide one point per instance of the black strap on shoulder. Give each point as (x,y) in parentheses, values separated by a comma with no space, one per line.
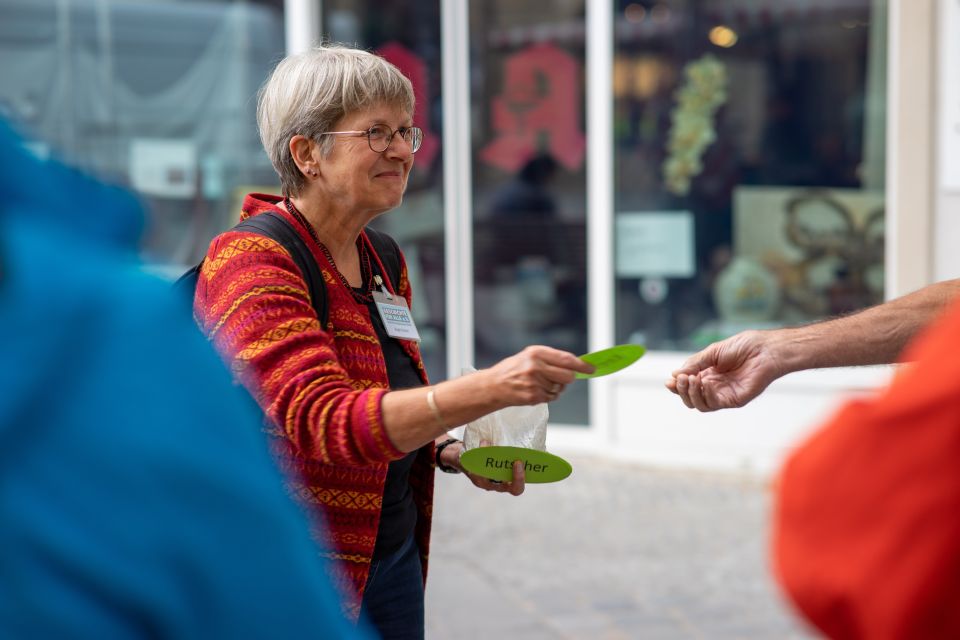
(274,226)
(389,253)
(187,283)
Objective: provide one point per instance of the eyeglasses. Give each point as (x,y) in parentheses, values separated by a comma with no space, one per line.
(379,136)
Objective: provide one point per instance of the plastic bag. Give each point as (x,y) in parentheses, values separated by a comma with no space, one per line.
(512,427)
(524,427)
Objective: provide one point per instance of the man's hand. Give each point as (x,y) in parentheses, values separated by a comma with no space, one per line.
(727,374)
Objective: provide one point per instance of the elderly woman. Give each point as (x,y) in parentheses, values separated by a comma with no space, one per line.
(355,421)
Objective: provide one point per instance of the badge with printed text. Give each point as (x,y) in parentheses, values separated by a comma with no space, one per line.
(396,316)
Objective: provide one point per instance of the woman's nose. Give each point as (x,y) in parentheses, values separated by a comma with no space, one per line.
(399,147)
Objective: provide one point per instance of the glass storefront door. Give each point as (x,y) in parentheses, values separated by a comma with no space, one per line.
(529,183)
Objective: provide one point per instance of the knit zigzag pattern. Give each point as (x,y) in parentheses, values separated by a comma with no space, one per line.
(320,387)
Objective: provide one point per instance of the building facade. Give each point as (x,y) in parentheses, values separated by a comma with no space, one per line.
(659,172)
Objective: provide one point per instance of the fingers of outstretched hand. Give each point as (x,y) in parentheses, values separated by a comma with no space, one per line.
(552,391)
(694,392)
(554,374)
(697,362)
(536,374)
(561,362)
(671,385)
(683,389)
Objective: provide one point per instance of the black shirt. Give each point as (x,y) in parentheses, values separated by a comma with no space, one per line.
(398,517)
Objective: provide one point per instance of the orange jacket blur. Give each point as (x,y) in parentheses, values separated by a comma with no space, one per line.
(867,524)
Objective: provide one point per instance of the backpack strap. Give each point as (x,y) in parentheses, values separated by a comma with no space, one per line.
(274,226)
(388,252)
(186,284)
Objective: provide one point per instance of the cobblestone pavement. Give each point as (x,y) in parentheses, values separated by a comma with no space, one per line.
(615,551)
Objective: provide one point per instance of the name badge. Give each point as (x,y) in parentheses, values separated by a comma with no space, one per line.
(396,316)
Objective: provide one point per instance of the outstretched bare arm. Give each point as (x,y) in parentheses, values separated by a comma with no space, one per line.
(734,371)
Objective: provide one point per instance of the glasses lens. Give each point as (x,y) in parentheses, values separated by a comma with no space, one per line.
(379,136)
(413,136)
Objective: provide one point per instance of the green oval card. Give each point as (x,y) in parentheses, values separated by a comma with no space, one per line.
(611,360)
(496,463)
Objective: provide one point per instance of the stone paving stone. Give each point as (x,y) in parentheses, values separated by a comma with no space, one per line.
(617,550)
(467,600)
(615,604)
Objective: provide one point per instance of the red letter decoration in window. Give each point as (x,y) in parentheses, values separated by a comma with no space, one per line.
(414,68)
(538,111)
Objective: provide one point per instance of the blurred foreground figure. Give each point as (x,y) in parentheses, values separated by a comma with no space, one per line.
(137,493)
(867,531)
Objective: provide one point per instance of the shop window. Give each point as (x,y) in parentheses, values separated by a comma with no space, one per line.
(155,95)
(749,151)
(529,160)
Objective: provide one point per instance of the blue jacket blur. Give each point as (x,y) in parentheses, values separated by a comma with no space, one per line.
(137,495)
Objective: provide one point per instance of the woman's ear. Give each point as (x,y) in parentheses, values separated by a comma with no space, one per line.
(304,152)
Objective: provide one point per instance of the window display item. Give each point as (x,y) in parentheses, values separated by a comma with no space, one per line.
(746,291)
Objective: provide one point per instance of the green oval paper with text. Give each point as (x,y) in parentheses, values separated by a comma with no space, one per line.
(496,463)
(611,360)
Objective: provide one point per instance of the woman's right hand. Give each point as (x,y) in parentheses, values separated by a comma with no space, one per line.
(536,374)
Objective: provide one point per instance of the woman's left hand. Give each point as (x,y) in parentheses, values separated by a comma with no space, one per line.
(515,487)
(451,458)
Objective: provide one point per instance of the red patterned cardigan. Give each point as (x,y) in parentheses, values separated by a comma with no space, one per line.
(321,387)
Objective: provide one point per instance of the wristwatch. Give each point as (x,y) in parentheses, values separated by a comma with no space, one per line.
(440,447)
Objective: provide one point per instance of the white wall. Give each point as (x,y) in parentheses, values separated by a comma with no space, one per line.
(911,131)
(947,142)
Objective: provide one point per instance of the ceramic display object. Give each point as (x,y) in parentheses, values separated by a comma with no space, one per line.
(746,292)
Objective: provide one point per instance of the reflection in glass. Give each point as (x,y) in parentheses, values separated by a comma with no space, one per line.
(529,157)
(762,124)
(158,95)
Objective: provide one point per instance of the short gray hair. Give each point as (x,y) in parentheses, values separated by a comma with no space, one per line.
(309,92)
